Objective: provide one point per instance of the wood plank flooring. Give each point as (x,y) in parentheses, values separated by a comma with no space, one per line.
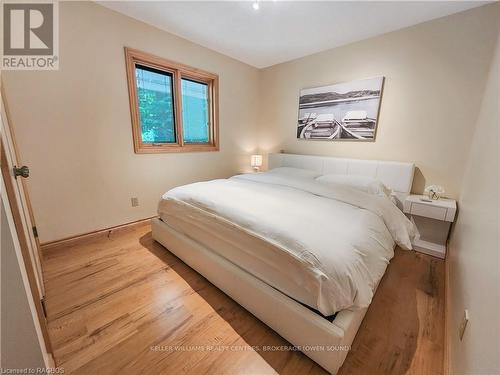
(125,305)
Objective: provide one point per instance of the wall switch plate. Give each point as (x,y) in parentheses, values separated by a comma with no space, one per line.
(463,324)
(134,201)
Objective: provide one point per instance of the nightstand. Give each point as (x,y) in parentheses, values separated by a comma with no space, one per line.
(433,219)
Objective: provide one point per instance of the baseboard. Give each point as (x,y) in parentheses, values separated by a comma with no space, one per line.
(105,232)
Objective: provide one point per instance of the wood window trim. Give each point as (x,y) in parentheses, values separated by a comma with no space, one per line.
(135,57)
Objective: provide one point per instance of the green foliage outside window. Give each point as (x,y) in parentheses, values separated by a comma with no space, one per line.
(154,92)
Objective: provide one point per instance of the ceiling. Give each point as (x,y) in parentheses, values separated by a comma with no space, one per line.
(280,31)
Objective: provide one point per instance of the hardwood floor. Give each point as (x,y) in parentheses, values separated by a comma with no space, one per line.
(125,305)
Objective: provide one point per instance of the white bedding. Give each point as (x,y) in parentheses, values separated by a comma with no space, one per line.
(334,243)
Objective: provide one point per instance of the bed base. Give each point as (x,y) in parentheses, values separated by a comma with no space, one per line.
(324,342)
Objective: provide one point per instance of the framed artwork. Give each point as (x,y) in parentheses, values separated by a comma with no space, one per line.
(343,111)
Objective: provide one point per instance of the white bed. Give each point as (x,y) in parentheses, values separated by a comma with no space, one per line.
(271,242)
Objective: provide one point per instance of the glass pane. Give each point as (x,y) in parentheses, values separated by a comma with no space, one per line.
(156,105)
(194,111)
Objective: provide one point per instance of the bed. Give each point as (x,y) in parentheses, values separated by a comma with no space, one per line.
(304,256)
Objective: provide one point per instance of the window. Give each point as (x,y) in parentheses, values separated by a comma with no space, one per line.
(195,125)
(155,99)
(173,106)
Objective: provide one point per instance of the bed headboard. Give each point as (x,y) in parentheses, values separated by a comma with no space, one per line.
(394,174)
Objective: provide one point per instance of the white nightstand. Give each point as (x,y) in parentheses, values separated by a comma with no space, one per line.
(433,219)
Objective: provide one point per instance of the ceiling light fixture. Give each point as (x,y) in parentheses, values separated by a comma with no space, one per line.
(255,5)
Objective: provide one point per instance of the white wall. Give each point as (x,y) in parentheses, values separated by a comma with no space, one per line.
(474,251)
(435,76)
(73,126)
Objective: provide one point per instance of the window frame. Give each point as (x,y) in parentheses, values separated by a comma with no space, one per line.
(178,71)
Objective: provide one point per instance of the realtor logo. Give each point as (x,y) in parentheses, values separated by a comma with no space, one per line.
(30,36)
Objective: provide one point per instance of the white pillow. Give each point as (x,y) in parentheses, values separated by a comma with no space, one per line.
(294,172)
(367,184)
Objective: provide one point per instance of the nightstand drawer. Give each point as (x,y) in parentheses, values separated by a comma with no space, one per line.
(419,209)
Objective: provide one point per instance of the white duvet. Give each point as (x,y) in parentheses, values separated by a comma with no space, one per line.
(341,236)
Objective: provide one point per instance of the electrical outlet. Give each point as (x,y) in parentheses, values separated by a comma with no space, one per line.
(463,324)
(134,201)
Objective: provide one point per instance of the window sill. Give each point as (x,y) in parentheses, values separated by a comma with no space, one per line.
(176,149)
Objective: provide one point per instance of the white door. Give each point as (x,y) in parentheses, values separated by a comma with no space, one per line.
(17,176)
(19,315)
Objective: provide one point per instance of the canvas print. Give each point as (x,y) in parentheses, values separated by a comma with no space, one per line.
(343,111)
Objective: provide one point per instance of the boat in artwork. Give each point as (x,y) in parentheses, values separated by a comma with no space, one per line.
(357,125)
(354,125)
(324,126)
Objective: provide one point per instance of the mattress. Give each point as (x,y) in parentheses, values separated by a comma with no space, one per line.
(328,258)
(253,254)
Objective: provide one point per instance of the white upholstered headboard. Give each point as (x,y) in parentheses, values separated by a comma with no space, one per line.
(394,174)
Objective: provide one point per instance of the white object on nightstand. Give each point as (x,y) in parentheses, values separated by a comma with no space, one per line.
(433,219)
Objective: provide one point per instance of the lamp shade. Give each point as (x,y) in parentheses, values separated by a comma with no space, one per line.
(256,161)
